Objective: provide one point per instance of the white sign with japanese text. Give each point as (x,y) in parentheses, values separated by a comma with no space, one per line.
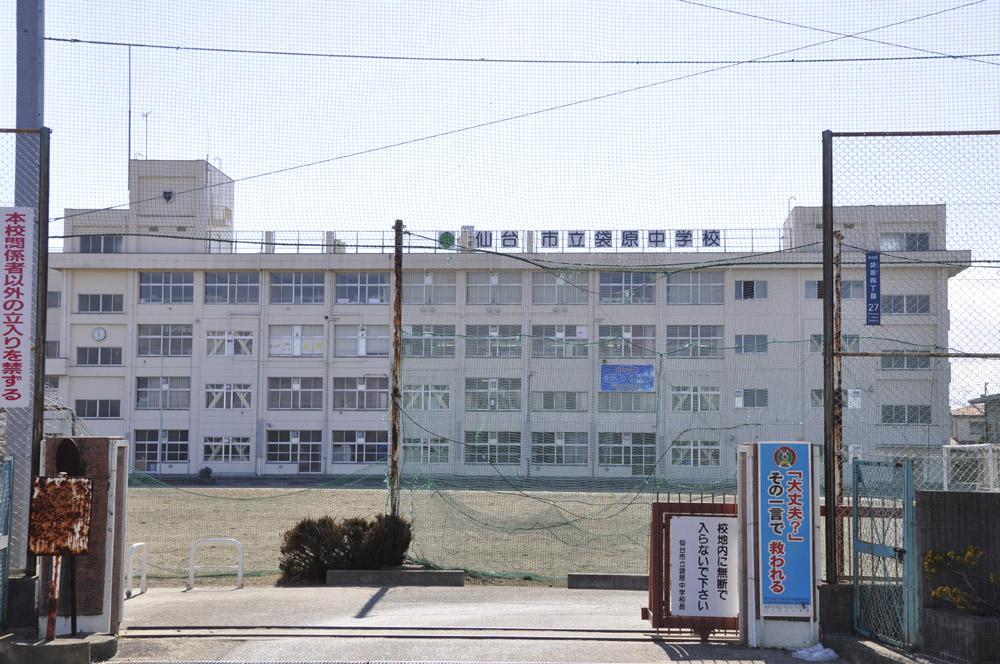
(703,564)
(18,309)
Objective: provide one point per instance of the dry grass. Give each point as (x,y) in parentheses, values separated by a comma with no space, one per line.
(506,534)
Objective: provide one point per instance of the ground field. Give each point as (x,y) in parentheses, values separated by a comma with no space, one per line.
(504,534)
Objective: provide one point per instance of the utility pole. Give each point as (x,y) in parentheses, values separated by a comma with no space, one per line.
(397,356)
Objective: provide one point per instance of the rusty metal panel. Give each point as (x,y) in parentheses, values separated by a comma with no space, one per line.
(60,516)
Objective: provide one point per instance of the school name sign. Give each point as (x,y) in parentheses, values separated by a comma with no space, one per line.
(589,240)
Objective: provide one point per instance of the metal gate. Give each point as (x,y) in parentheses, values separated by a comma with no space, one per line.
(886,593)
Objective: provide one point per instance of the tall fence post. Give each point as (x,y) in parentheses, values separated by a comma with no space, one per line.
(829,374)
(397,356)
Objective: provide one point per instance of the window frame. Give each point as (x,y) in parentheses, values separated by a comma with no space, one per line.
(626,287)
(293,287)
(624,341)
(349,286)
(166,287)
(177,338)
(235,286)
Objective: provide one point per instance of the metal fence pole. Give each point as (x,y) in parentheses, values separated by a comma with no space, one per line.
(397,356)
(829,386)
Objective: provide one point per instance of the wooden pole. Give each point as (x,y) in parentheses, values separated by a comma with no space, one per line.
(50,627)
(397,356)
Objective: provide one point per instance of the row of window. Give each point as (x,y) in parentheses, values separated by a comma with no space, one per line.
(481,394)
(439,341)
(304,448)
(439,287)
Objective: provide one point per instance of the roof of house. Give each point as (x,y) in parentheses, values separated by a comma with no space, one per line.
(968,411)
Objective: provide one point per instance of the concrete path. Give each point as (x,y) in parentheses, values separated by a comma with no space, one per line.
(471,624)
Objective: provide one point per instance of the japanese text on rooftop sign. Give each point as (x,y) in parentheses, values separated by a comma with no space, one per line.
(873,288)
(703,561)
(785,528)
(18,311)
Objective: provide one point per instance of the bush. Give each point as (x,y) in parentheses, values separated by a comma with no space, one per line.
(313,546)
(205,473)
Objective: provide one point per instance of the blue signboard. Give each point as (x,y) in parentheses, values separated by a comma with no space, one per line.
(873,288)
(627,378)
(785,527)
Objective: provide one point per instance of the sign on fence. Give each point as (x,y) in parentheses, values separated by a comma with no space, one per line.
(785,529)
(18,307)
(703,579)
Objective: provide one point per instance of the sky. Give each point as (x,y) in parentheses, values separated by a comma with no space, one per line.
(722,131)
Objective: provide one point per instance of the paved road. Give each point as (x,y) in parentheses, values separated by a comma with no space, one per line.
(471,624)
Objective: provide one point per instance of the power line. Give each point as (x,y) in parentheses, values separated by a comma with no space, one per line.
(857,35)
(518,116)
(527,61)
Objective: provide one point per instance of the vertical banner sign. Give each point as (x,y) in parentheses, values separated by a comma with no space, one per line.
(703,580)
(785,529)
(873,288)
(18,312)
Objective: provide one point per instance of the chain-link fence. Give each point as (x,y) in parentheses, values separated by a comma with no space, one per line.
(918,249)
(23,183)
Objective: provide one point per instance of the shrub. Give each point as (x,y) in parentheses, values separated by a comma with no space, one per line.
(965,596)
(205,473)
(313,546)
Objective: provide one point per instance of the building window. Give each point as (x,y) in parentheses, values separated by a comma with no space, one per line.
(53,299)
(492,394)
(694,341)
(699,287)
(297,287)
(166,287)
(102,244)
(751,398)
(637,450)
(175,446)
(493,288)
(627,288)
(428,288)
(360,446)
(163,393)
(428,341)
(94,356)
(51,382)
(850,343)
(226,449)
(627,340)
(751,290)
(425,450)
(905,362)
(295,393)
(361,393)
(626,402)
(694,399)
(229,396)
(558,401)
(904,242)
(297,340)
(493,341)
(493,447)
(229,343)
(361,340)
(362,288)
(559,341)
(99,409)
(751,344)
(906,304)
(232,288)
(977,429)
(304,448)
(165,340)
(906,414)
(426,397)
(852,401)
(694,453)
(562,288)
(558,448)
(852,290)
(147,450)
(100,303)
(51,349)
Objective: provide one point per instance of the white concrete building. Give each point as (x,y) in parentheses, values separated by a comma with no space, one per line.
(265,359)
